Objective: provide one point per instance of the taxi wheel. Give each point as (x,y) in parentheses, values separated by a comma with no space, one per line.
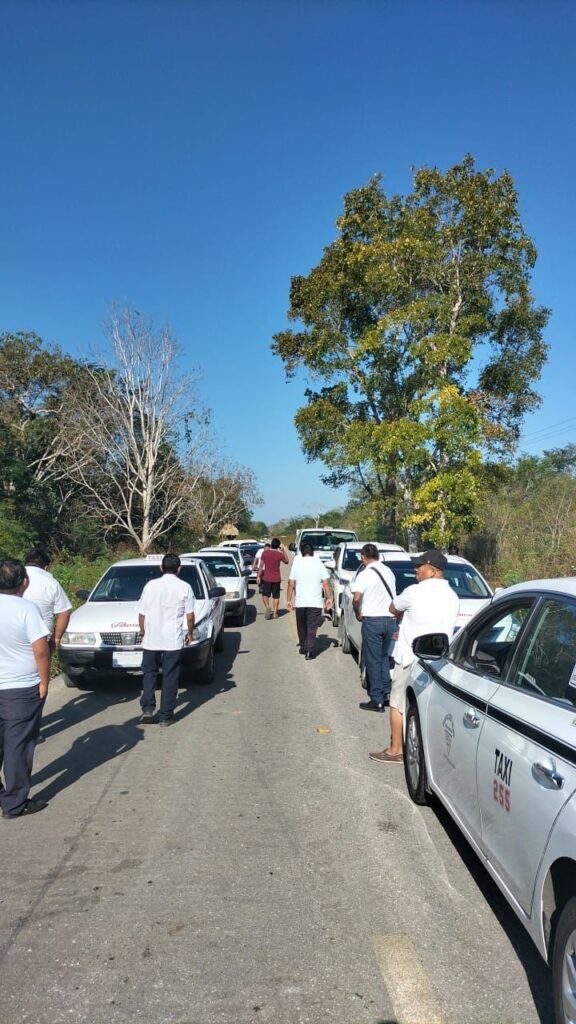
(343,637)
(564,966)
(205,675)
(240,620)
(336,613)
(219,641)
(73,681)
(414,763)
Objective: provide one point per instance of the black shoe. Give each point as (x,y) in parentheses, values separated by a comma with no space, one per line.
(168,720)
(147,717)
(371,705)
(309,655)
(301,651)
(31,806)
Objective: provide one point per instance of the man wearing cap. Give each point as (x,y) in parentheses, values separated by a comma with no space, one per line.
(428,606)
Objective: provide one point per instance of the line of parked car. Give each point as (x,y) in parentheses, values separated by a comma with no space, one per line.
(490,724)
(490,731)
(103,635)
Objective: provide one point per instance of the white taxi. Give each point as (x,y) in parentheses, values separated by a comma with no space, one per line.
(224,567)
(491,730)
(103,635)
(343,567)
(473,591)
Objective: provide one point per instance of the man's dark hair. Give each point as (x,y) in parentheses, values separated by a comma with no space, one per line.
(39,557)
(370,551)
(12,575)
(171,563)
(306,548)
(275,543)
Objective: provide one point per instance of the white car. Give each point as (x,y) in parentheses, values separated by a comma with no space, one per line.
(472,589)
(491,731)
(224,567)
(343,566)
(323,539)
(220,550)
(103,635)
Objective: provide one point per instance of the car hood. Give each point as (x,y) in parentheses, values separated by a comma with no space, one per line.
(106,616)
(469,608)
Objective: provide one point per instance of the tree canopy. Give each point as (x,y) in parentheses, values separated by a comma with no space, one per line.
(422,343)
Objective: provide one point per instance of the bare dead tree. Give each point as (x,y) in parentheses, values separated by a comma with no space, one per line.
(220,495)
(130,431)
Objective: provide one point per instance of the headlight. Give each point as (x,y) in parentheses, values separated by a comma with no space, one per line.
(79,639)
(202,630)
(233,593)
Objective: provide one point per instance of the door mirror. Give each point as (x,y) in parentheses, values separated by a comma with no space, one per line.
(216,592)
(246,572)
(83,594)
(330,564)
(431,646)
(291,547)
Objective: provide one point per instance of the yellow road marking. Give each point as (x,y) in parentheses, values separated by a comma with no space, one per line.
(413,998)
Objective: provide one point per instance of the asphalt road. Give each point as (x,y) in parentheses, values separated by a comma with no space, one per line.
(249,864)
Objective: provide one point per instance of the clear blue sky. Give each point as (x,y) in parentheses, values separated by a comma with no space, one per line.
(191,157)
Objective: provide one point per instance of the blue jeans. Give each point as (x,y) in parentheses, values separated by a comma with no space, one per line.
(377,633)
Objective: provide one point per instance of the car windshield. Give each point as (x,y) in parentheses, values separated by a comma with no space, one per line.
(326,541)
(250,549)
(464,579)
(221,566)
(351,560)
(126,582)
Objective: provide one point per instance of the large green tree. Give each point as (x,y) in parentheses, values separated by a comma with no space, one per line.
(419,333)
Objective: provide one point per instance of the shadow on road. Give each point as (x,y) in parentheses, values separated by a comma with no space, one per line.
(537,973)
(106,742)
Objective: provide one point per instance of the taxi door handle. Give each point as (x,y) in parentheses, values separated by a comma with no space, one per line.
(547,774)
(471,719)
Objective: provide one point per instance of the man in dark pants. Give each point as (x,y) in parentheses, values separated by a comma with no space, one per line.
(24,679)
(373,591)
(309,577)
(166,603)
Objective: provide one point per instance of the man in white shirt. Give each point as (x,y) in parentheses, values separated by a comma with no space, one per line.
(429,606)
(24,679)
(372,591)
(309,578)
(47,594)
(166,603)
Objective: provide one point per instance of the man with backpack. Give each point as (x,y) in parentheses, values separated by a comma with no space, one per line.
(374,590)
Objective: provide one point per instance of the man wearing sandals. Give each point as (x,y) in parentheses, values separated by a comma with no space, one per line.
(428,606)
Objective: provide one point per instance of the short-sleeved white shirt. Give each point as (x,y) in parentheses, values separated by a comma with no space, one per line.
(20,626)
(308,572)
(376,599)
(164,603)
(46,593)
(429,607)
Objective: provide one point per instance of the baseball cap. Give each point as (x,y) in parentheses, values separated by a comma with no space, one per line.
(432,557)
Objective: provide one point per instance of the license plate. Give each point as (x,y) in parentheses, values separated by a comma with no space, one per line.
(126,659)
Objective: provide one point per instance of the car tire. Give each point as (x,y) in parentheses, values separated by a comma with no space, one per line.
(343,637)
(563,960)
(240,619)
(74,680)
(336,613)
(414,762)
(219,641)
(205,675)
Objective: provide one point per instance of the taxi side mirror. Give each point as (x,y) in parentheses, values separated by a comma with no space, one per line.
(291,547)
(83,594)
(431,646)
(216,592)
